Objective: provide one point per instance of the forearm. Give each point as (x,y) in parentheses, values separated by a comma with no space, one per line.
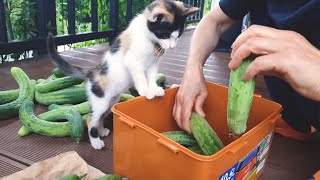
(206,36)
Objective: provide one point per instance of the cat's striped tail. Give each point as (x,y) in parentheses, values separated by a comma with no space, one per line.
(61,63)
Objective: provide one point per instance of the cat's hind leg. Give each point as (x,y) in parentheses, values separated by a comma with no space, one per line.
(98,108)
(101,129)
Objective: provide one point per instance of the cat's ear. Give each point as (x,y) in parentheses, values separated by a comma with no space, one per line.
(186,10)
(189,10)
(160,15)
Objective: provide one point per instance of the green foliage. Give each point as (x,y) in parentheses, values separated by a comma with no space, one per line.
(21,20)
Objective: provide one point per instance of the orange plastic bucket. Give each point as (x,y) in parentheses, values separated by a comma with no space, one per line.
(142,153)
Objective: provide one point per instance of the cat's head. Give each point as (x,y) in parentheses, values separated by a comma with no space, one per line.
(166,21)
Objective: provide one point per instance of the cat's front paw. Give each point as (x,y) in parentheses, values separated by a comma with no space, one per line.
(158,91)
(143,92)
(96,143)
(155,91)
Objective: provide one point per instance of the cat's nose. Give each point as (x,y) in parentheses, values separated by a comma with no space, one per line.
(172,46)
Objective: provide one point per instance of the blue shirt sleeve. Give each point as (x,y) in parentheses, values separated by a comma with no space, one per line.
(236,9)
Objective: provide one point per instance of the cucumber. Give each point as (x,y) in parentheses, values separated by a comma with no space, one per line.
(205,136)
(181,137)
(13,94)
(240,96)
(82,108)
(127,92)
(81,85)
(39,81)
(8,96)
(134,92)
(64,96)
(161,78)
(57,84)
(74,127)
(72,177)
(51,78)
(11,109)
(58,73)
(56,106)
(23,131)
(196,149)
(110,177)
(125,97)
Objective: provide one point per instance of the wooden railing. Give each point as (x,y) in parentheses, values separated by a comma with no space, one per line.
(46,12)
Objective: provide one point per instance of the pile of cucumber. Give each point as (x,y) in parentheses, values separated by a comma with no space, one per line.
(65,97)
(203,139)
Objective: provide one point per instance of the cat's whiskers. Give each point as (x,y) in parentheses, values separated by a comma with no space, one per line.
(158,52)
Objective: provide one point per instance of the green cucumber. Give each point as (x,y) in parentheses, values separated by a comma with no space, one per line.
(71,177)
(58,73)
(81,85)
(110,177)
(64,96)
(39,81)
(23,131)
(58,84)
(11,95)
(134,92)
(205,136)
(8,96)
(56,106)
(11,109)
(161,78)
(196,149)
(125,97)
(181,137)
(240,96)
(74,127)
(82,108)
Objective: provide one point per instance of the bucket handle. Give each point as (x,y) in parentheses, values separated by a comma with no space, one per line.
(128,122)
(274,121)
(237,149)
(171,147)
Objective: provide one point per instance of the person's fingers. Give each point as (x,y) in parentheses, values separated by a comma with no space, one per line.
(258,46)
(177,111)
(186,110)
(199,104)
(268,64)
(256,31)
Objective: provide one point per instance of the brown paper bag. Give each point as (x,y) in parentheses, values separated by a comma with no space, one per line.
(58,166)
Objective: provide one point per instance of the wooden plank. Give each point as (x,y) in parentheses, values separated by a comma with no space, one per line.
(25,162)
(9,166)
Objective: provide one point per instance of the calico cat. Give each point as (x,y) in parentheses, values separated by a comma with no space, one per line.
(132,60)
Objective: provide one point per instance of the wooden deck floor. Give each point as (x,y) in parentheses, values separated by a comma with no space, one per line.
(288,160)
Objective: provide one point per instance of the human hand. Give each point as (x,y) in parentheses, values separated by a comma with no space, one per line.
(284,54)
(192,93)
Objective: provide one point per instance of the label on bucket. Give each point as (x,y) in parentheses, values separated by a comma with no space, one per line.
(251,164)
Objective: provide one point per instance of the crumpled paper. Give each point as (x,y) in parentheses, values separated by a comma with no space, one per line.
(58,166)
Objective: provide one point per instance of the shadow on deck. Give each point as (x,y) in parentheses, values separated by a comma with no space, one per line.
(288,160)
